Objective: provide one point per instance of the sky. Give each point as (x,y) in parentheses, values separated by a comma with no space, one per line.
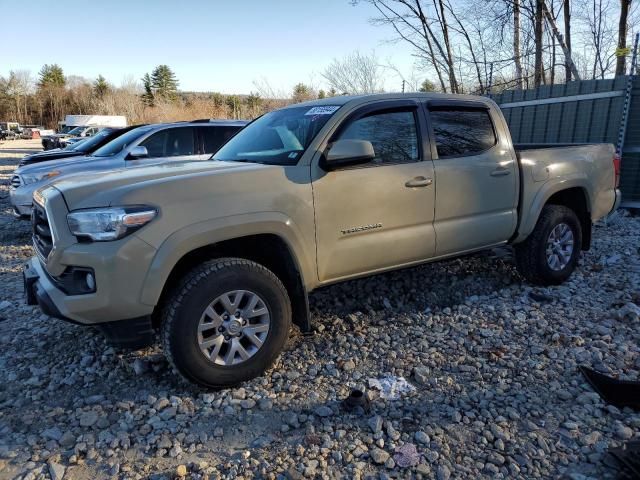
(223,46)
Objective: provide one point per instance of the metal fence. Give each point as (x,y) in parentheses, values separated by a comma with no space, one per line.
(587,111)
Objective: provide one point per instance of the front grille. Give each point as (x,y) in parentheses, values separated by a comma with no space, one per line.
(42,238)
(16,181)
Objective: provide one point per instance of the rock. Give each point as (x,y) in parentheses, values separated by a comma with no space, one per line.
(140,366)
(248,403)
(88,419)
(323,411)
(67,440)
(56,471)
(422,375)
(181,471)
(591,438)
(443,473)
(349,365)
(375,424)
(378,456)
(53,433)
(422,437)
(623,432)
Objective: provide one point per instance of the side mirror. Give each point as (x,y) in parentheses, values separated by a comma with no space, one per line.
(138,152)
(343,153)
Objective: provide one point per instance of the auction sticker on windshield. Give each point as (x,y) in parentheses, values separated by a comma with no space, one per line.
(323,110)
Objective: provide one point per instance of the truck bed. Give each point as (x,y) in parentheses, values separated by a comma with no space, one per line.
(546,168)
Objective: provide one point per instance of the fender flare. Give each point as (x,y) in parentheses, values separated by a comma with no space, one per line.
(212,231)
(542,196)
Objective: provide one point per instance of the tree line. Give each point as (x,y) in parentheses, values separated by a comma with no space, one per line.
(471,46)
(460,46)
(50,96)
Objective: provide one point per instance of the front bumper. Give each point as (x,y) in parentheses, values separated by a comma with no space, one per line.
(40,289)
(22,212)
(21,199)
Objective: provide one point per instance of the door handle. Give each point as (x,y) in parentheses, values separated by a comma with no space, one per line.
(419,182)
(500,172)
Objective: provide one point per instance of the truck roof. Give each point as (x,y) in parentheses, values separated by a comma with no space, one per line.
(344,99)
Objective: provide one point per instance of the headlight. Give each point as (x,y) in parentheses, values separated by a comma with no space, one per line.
(106,224)
(27,179)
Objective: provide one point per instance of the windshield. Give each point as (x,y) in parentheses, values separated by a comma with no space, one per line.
(76,131)
(277,138)
(117,145)
(89,144)
(74,145)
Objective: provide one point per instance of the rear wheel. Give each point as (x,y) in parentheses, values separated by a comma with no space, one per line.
(550,254)
(227,322)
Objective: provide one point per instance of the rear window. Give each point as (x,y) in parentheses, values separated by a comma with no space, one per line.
(214,137)
(461,132)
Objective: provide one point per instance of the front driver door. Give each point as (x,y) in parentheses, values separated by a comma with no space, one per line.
(378,215)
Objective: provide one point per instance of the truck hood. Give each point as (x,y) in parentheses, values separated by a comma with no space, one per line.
(91,190)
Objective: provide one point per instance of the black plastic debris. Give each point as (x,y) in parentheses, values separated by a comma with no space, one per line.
(620,393)
(356,402)
(540,297)
(628,460)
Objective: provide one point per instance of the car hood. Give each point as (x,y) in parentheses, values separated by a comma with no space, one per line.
(90,190)
(77,161)
(56,153)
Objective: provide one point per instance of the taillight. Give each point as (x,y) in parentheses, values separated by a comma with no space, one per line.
(616,168)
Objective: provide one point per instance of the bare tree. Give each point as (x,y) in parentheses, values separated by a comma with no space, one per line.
(566,7)
(516,43)
(355,74)
(538,71)
(623,24)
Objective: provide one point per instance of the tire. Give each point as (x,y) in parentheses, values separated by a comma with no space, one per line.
(532,255)
(227,279)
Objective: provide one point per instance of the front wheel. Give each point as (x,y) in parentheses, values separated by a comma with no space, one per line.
(227,322)
(550,254)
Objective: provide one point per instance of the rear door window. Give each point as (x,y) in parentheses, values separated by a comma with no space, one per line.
(171,142)
(214,137)
(462,131)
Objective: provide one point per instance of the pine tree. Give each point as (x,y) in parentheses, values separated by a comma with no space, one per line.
(322,94)
(51,76)
(147,96)
(164,83)
(100,87)
(301,93)
(218,99)
(233,102)
(253,102)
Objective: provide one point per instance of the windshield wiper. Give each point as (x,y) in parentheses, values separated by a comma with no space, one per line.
(241,160)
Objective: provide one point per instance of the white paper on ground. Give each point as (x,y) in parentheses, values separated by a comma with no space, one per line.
(391,388)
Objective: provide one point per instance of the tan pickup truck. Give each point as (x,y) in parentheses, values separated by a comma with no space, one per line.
(220,255)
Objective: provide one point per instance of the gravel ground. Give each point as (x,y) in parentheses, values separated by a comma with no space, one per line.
(493,362)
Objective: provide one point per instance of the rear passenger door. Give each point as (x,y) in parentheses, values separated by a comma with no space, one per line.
(176,143)
(212,138)
(475,177)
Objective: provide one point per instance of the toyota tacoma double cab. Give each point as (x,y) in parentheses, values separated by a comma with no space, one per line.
(220,255)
